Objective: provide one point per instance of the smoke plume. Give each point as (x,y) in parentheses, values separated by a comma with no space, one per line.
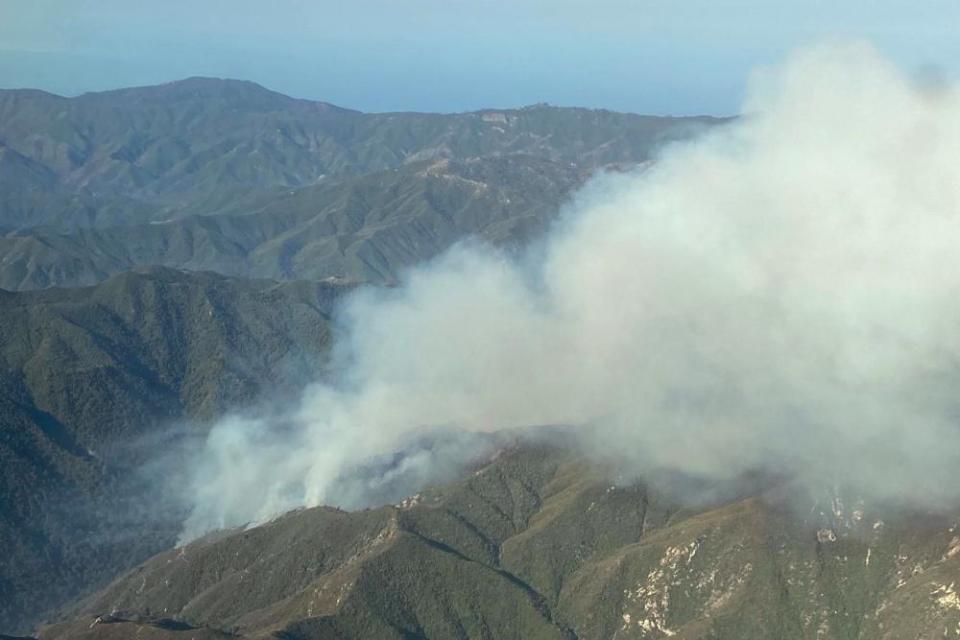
(780,294)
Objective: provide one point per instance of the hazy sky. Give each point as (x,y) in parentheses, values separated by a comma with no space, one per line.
(654,56)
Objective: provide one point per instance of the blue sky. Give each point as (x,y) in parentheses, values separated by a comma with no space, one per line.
(650,56)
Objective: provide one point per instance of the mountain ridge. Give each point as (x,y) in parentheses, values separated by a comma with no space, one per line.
(204,83)
(367,228)
(200,145)
(539,542)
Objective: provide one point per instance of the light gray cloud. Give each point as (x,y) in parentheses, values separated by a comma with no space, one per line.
(780,295)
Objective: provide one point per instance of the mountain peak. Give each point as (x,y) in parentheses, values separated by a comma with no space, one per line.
(214,85)
(195,87)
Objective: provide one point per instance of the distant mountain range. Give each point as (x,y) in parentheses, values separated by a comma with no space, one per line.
(203,145)
(246,181)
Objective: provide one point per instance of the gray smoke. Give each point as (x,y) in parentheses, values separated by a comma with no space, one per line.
(781,294)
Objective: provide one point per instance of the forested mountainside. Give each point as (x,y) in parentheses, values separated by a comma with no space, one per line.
(540,543)
(358,229)
(94,384)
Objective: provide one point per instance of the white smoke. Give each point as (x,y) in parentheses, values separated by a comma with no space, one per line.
(780,294)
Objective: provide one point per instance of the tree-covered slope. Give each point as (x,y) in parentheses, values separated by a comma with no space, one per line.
(91,382)
(366,228)
(539,543)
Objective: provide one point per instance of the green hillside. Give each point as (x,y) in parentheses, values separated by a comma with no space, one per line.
(92,381)
(367,228)
(538,543)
